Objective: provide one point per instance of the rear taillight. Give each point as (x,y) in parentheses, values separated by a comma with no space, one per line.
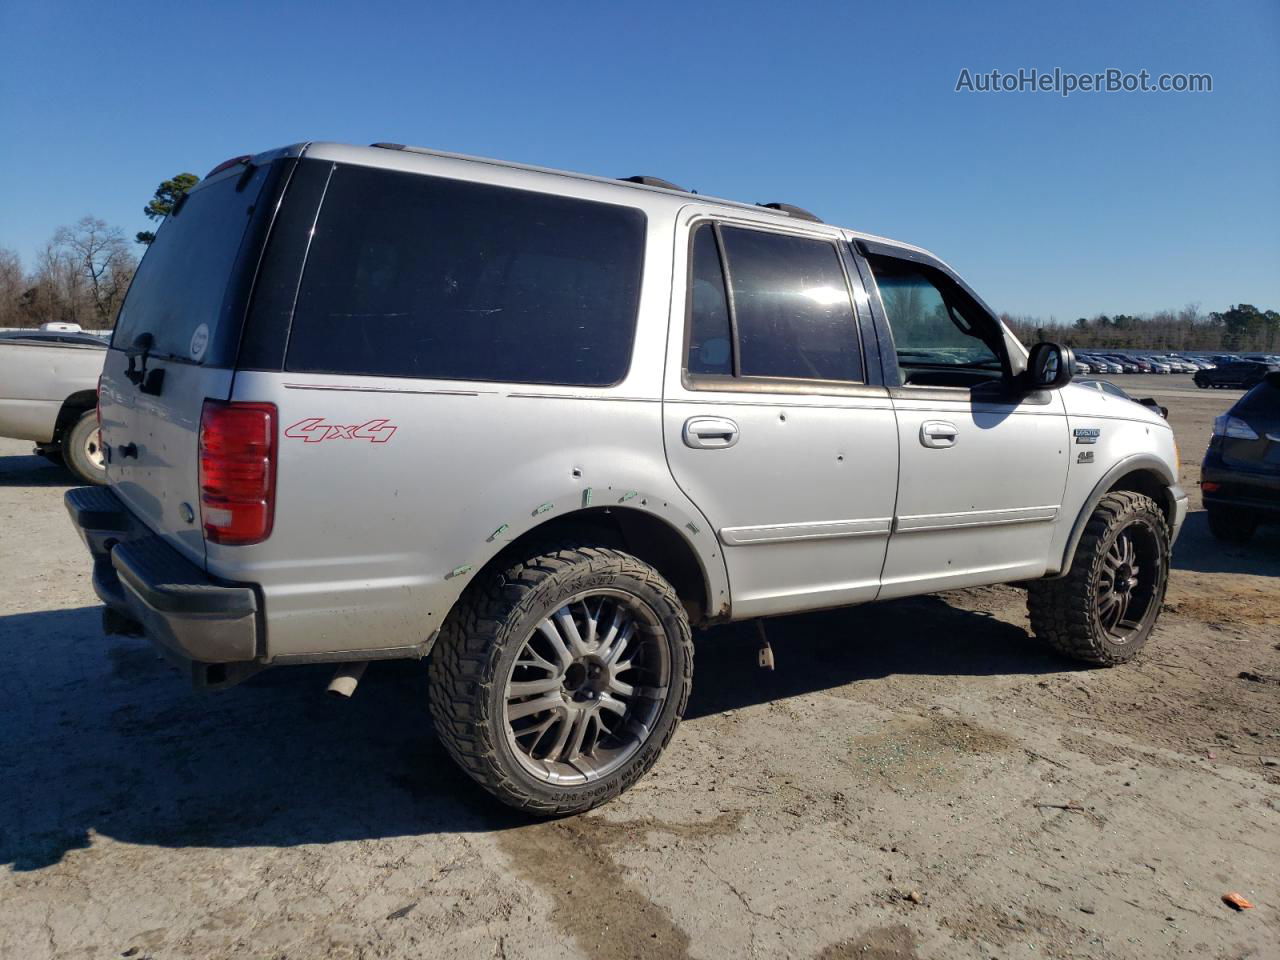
(97,407)
(1229,426)
(237,471)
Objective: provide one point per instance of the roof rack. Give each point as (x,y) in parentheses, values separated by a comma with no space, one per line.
(654,182)
(799,213)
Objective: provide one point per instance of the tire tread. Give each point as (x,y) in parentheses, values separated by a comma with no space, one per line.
(1062,610)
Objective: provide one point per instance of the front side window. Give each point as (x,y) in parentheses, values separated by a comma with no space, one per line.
(928,330)
(783,311)
(417,276)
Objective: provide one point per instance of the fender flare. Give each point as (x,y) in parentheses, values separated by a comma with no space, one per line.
(1140,461)
(681,519)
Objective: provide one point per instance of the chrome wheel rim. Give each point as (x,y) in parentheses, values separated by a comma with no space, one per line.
(586,687)
(1128,585)
(93,449)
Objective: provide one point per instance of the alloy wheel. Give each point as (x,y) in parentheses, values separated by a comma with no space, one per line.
(1128,582)
(586,687)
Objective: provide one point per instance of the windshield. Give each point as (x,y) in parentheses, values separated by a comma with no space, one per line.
(177,294)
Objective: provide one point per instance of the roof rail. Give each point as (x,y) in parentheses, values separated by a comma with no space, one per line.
(388,146)
(800,213)
(654,182)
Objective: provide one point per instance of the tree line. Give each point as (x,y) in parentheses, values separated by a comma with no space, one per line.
(83,271)
(1241,328)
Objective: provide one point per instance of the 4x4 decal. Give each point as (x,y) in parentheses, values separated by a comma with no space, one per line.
(314,429)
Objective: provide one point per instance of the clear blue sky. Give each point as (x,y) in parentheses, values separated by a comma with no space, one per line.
(1048,206)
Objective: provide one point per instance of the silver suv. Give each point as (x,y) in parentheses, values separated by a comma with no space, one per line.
(379,402)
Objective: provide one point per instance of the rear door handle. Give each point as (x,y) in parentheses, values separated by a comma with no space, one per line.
(710,433)
(938,434)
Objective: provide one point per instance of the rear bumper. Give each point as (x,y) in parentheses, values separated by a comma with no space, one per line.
(157,591)
(1258,492)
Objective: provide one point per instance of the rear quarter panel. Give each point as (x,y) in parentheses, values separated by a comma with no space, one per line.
(377,531)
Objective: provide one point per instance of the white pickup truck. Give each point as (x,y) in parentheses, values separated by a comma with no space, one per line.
(48,394)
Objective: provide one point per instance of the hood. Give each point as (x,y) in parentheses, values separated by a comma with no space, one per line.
(1082,401)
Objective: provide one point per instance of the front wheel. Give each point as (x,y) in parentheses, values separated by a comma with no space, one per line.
(1104,609)
(557,683)
(82,449)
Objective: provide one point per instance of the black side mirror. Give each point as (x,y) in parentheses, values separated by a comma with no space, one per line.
(1050,366)
(1150,404)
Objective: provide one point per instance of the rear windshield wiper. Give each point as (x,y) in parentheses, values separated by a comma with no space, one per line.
(151,382)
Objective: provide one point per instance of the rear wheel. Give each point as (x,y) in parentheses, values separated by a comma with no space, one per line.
(557,683)
(1231,523)
(82,449)
(1104,609)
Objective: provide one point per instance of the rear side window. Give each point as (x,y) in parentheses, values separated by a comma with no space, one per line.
(178,292)
(782,311)
(710,333)
(415,276)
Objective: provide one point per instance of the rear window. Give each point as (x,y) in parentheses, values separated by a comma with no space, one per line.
(416,276)
(1262,400)
(178,292)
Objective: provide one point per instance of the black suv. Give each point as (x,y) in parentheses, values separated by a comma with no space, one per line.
(1240,476)
(1241,373)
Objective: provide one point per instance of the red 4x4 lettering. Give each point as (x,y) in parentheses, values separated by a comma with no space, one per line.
(314,429)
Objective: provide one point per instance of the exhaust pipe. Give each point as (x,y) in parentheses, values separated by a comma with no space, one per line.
(346,677)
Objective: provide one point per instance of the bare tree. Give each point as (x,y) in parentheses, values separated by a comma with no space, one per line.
(101,257)
(55,289)
(13,283)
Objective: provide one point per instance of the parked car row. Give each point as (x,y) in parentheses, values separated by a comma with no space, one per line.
(1221,370)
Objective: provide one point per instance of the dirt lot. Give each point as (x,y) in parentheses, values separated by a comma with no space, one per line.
(917,779)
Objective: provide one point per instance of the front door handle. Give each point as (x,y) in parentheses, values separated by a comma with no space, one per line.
(938,434)
(710,433)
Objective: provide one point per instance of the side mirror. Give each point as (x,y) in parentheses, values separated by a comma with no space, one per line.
(1050,366)
(1150,404)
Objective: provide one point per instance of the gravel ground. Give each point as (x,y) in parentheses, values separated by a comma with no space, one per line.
(917,779)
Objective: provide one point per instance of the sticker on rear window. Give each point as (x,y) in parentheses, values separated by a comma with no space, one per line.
(199,341)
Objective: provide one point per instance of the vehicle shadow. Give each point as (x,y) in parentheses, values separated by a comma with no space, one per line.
(1197,550)
(99,735)
(925,636)
(34,471)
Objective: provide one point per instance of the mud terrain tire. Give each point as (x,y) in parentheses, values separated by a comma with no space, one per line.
(489,635)
(1071,613)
